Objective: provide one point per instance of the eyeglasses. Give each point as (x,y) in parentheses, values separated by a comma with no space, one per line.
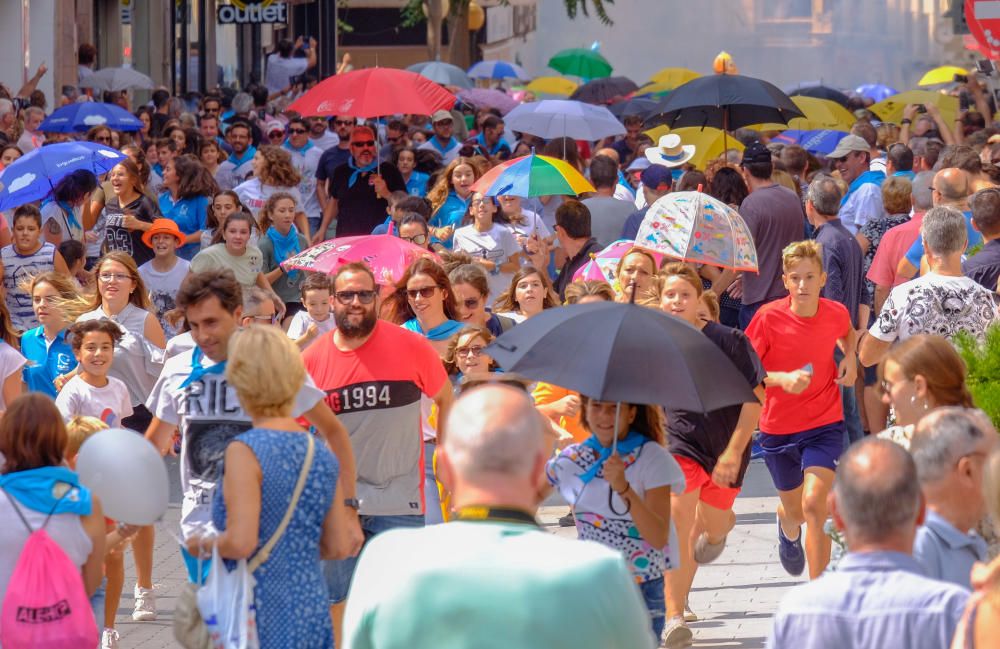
(424,292)
(114,277)
(274,134)
(340,122)
(419,239)
(297,131)
(211,111)
(392,140)
(481,201)
(363,143)
(347,297)
(471,303)
(269,319)
(103,139)
(472,350)
(444,122)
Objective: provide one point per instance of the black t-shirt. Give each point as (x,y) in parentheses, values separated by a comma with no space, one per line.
(329,161)
(572,265)
(117,237)
(359,209)
(704,436)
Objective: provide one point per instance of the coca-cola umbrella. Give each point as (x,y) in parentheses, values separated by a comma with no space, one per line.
(373,92)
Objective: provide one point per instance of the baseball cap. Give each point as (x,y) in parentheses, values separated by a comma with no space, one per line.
(638,164)
(849,144)
(756,152)
(440,116)
(656,177)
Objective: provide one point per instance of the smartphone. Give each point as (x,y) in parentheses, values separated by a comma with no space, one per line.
(961,78)
(921,108)
(985,66)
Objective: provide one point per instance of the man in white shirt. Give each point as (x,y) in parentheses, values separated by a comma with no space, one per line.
(281,67)
(320,134)
(443,141)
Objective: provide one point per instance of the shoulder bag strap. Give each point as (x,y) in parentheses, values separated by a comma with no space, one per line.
(18,510)
(263,554)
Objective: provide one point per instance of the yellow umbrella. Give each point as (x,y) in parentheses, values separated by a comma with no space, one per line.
(670,78)
(552,86)
(709,143)
(821,114)
(891,109)
(941,74)
(654,88)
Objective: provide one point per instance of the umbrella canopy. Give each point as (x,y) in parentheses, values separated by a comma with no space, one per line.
(552,86)
(635,107)
(709,142)
(581,62)
(655,90)
(82,116)
(821,114)
(726,101)
(673,77)
(875,91)
(497,70)
(551,118)
(595,349)
(603,91)
(387,255)
(942,74)
(891,109)
(116,79)
(821,142)
(443,73)
(533,175)
(373,92)
(693,226)
(33,176)
(820,91)
(602,266)
(488,98)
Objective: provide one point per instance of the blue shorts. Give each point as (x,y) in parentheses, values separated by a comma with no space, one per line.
(656,604)
(788,456)
(338,573)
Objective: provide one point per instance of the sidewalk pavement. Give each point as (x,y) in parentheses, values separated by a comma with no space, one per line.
(733,597)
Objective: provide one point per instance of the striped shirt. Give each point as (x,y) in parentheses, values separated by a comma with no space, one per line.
(18,270)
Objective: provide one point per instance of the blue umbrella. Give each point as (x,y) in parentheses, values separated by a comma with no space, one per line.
(34,176)
(497,70)
(82,116)
(819,142)
(876,91)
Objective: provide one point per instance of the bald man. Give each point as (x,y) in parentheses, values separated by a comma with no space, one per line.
(878,596)
(509,578)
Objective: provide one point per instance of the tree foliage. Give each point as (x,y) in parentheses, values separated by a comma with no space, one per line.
(600,10)
(982,362)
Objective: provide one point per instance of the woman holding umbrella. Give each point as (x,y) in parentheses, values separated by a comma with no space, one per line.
(711,448)
(490,244)
(635,273)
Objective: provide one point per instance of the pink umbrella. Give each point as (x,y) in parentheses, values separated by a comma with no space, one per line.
(387,255)
(602,265)
(488,98)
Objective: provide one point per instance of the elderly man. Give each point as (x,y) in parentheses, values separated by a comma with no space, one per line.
(878,597)
(493,573)
(942,302)
(949,447)
(863,201)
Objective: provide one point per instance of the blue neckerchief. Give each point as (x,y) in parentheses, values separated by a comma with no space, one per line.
(68,210)
(443,331)
(285,246)
(158,168)
(868,177)
(359,170)
(36,489)
(288,145)
(625,446)
(246,157)
(198,370)
(909,175)
(481,139)
(443,150)
(623,181)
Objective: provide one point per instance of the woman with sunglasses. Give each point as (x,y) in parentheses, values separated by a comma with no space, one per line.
(490,244)
(466,354)
(530,292)
(413,228)
(425,304)
(471,287)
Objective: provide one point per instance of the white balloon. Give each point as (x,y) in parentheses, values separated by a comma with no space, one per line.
(126,473)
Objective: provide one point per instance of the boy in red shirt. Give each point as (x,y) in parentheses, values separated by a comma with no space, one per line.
(802,424)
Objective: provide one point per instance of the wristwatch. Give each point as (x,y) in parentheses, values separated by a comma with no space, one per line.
(353,503)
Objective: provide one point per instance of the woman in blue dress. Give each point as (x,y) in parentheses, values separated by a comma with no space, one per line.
(261,469)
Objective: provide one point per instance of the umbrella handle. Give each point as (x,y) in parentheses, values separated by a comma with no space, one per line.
(614,442)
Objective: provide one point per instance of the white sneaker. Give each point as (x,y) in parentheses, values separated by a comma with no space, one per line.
(109,639)
(145,604)
(676,635)
(689,615)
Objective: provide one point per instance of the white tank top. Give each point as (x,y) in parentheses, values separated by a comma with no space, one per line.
(137,361)
(65,529)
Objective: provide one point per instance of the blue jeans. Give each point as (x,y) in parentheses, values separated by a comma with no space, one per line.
(656,604)
(338,573)
(432,500)
(853,429)
(97,602)
(314,224)
(747,312)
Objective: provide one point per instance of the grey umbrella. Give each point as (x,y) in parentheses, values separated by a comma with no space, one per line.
(116,79)
(443,73)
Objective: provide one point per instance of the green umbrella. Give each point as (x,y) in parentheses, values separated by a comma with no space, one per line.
(581,62)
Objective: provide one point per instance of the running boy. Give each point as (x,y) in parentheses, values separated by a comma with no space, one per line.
(316,319)
(92,392)
(164,273)
(802,424)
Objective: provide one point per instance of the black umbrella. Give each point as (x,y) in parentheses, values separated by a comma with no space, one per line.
(635,107)
(602,91)
(821,92)
(724,101)
(624,353)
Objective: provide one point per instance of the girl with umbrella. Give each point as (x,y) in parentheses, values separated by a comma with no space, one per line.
(62,212)
(450,197)
(711,448)
(490,244)
(634,273)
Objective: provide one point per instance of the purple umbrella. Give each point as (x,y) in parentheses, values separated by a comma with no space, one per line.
(488,98)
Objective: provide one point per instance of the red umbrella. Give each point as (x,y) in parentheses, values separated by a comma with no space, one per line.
(373,92)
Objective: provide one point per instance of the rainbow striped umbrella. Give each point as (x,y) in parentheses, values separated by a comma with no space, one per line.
(533,175)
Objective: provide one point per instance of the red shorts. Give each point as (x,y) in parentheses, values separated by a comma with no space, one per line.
(711,494)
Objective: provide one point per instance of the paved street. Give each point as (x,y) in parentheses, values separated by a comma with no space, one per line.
(734,597)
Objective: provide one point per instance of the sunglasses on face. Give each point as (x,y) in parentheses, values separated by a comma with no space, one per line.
(444,122)
(269,319)
(347,297)
(363,144)
(392,140)
(425,292)
(297,131)
(472,350)
(340,122)
(419,239)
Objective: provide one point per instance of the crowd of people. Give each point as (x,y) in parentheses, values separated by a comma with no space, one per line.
(154,298)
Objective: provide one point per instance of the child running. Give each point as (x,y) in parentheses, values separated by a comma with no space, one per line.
(316,319)
(92,393)
(802,423)
(282,240)
(164,273)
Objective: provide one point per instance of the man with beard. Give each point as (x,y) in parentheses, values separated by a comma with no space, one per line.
(376,377)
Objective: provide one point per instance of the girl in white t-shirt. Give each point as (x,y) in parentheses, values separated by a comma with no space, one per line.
(92,393)
(490,244)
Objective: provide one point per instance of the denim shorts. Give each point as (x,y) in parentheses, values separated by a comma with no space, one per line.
(656,603)
(338,573)
(97,602)
(788,456)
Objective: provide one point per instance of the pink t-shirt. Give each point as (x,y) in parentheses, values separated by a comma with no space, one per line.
(894,246)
